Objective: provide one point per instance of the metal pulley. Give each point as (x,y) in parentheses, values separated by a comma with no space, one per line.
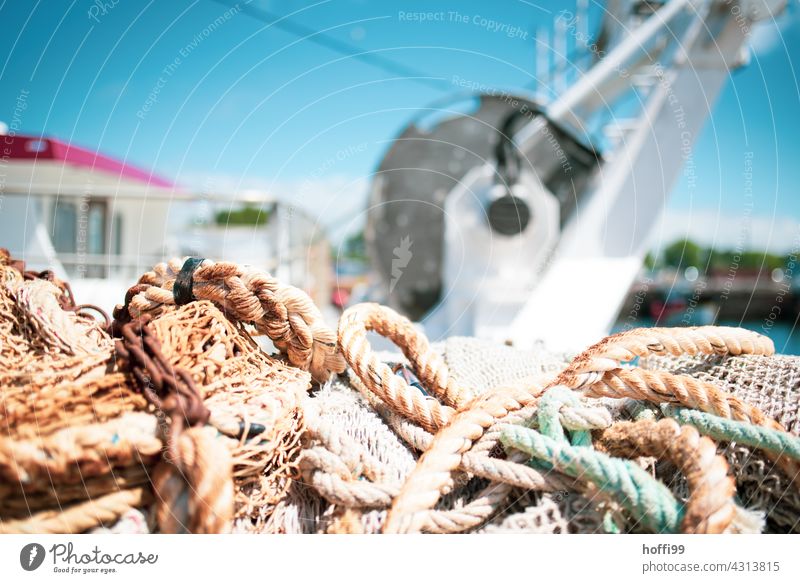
(430,161)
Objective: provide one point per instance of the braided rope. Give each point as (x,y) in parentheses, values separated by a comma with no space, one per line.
(478,462)
(470,515)
(80,517)
(353,453)
(332,478)
(665,387)
(514,471)
(284,313)
(560,408)
(354,493)
(710,507)
(195,491)
(490,441)
(607,354)
(765,438)
(428,365)
(433,471)
(379,378)
(328,471)
(75,453)
(648,500)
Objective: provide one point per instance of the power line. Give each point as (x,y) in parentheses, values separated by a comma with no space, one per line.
(381,62)
(343,48)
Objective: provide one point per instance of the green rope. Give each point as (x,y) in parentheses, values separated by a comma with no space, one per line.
(555,402)
(549,416)
(641,410)
(548,420)
(648,500)
(610,525)
(721,429)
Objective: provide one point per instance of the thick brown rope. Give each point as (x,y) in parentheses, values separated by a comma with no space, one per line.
(284,313)
(80,517)
(607,354)
(195,494)
(665,387)
(427,364)
(378,376)
(433,472)
(710,507)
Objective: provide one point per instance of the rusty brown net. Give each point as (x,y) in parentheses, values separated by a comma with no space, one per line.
(183,419)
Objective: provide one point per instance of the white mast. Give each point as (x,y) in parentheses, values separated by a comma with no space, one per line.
(567,283)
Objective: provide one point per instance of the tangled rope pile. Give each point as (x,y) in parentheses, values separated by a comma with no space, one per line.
(465,436)
(183,415)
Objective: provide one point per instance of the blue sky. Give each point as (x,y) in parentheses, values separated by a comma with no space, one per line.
(241,104)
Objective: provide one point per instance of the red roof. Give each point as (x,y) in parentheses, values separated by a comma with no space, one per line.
(26,148)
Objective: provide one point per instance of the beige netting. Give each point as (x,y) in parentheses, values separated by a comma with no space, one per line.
(184,424)
(771,383)
(317,505)
(559,513)
(340,408)
(479,365)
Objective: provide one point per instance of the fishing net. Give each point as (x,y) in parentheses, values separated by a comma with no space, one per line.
(253,399)
(92,430)
(771,383)
(314,505)
(68,419)
(527,441)
(176,419)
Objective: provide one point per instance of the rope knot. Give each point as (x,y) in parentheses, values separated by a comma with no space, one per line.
(561,408)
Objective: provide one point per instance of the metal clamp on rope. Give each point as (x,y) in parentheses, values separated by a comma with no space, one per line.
(182,289)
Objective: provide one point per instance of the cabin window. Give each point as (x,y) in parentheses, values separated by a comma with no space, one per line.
(96,239)
(117,235)
(65,227)
(96,234)
(80,235)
